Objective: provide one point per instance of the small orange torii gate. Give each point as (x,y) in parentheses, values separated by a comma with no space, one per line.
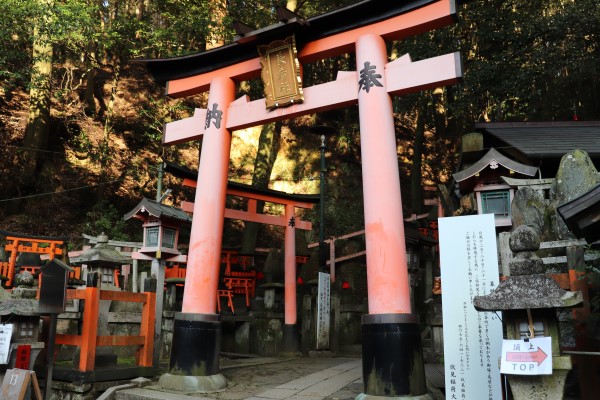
(20,243)
(392,365)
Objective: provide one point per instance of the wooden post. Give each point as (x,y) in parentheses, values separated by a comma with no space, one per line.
(89,330)
(145,353)
(585,364)
(11,263)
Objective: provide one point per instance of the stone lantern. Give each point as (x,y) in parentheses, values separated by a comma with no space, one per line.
(101,260)
(528,299)
(161,225)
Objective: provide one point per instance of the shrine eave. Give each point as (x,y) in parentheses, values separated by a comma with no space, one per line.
(158,210)
(491,156)
(342,20)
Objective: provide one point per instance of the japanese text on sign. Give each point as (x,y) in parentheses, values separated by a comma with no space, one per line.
(472,340)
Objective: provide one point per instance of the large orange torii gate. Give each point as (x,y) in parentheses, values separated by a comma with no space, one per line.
(392,361)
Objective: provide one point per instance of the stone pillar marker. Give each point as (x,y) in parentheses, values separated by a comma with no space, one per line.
(529,296)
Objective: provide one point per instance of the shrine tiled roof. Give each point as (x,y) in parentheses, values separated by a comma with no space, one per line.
(340,20)
(493,158)
(159,210)
(539,140)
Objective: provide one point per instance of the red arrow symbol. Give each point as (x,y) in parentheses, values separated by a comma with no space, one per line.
(531,356)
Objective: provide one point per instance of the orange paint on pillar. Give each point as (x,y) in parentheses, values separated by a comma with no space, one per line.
(204,258)
(387,274)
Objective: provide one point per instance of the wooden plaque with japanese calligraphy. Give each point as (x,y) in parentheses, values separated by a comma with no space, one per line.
(281,73)
(16,382)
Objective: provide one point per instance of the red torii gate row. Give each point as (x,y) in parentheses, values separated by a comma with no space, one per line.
(391,338)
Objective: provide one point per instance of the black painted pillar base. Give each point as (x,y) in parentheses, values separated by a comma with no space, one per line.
(195,348)
(291,339)
(392,356)
(196,344)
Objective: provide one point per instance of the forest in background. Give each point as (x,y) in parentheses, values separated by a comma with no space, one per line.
(81,121)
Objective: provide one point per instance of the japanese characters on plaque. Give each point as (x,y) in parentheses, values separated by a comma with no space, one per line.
(323,311)
(281,73)
(472,339)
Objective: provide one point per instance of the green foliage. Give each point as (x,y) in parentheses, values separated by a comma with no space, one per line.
(104,217)
(16,35)
(528,60)
(156,112)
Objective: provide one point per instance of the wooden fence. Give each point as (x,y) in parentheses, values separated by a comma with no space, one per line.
(89,340)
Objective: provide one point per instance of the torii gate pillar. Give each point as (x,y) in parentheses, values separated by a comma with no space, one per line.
(194,361)
(392,353)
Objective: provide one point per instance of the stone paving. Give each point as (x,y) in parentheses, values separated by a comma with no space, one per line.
(318,385)
(302,378)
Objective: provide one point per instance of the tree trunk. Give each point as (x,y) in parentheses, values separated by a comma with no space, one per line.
(90,102)
(38,122)
(268,147)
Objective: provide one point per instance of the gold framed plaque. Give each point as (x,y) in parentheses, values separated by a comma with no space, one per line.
(281,73)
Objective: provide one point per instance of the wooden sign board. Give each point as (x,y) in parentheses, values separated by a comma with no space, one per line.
(53,289)
(5,335)
(16,382)
(281,73)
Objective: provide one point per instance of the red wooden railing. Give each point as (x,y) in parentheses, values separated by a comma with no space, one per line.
(89,340)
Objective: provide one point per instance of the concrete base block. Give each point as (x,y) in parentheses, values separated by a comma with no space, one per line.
(193,384)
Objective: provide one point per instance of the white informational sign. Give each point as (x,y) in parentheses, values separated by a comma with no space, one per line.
(472,339)
(531,357)
(323,311)
(5,335)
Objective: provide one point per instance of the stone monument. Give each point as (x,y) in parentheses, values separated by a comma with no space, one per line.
(528,299)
